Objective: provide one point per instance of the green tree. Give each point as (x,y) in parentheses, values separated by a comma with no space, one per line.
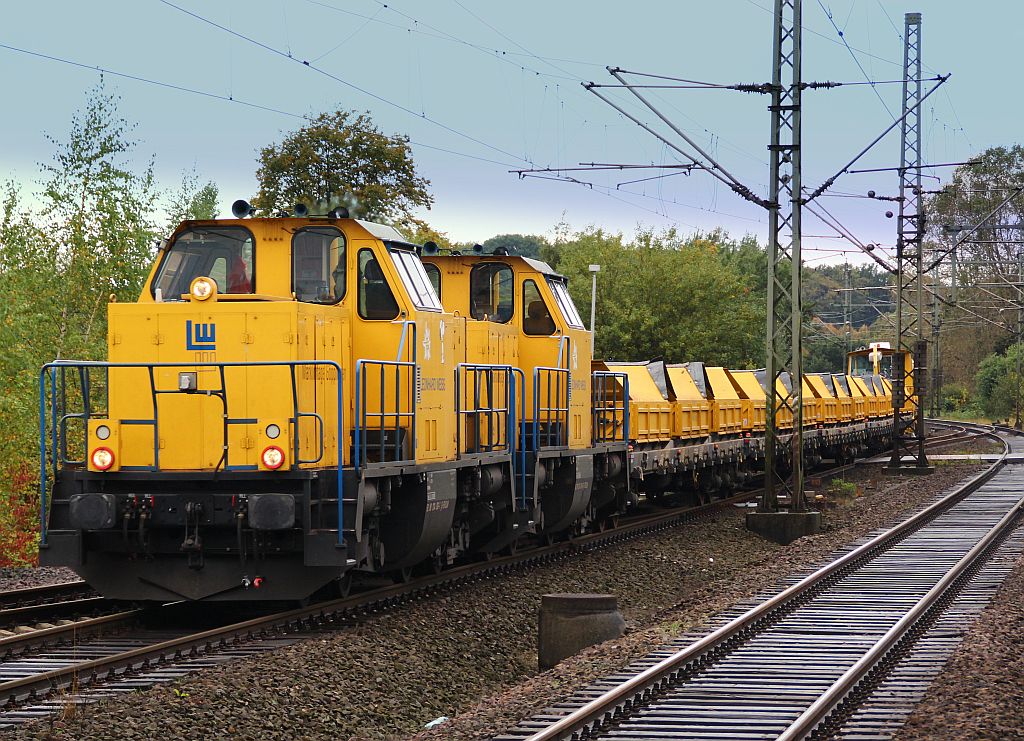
(986,256)
(744,256)
(997,383)
(192,201)
(342,158)
(660,295)
(420,232)
(974,192)
(91,239)
(824,353)
(98,214)
(518,244)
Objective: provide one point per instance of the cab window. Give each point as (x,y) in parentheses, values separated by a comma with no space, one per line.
(318,265)
(537,319)
(434,276)
(410,271)
(376,299)
(490,291)
(222,253)
(565,304)
(859,365)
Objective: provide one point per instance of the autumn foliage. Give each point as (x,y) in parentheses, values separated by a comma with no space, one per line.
(19,515)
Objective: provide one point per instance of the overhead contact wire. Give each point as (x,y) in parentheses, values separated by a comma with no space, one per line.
(221,97)
(340,80)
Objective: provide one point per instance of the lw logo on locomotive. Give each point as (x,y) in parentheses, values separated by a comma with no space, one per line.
(200,336)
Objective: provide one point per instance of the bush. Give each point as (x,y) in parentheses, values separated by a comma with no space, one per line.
(956,397)
(19,515)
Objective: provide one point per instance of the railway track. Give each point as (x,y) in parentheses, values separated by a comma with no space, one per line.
(33,618)
(47,594)
(39,668)
(803,663)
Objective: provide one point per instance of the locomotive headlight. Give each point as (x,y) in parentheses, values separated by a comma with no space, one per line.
(202,288)
(102,459)
(273,431)
(103,432)
(273,457)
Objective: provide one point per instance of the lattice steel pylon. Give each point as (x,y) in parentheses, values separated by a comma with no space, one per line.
(784,335)
(908,434)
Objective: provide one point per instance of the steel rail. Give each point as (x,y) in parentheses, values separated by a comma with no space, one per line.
(11,693)
(46,593)
(47,611)
(22,643)
(835,695)
(81,674)
(15,692)
(604,707)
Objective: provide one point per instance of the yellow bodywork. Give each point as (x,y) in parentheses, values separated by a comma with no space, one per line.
(651,415)
(828,404)
(864,403)
(753,393)
(845,403)
(500,338)
(692,411)
(270,325)
(814,410)
(729,414)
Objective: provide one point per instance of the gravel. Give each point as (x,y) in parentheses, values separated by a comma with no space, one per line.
(980,694)
(977,446)
(389,676)
(20,577)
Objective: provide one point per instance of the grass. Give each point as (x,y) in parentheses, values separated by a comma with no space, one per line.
(967,415)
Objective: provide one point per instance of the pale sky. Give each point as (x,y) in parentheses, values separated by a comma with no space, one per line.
(497,85)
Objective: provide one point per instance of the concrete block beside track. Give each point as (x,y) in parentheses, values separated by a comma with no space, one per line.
(568,623)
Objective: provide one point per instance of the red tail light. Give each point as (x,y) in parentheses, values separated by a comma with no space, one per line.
(102,459)
(272,457)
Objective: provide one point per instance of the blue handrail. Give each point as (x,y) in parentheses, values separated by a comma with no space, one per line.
(401,340)
(362,413)
(603,400)
(521,470)
(515,445)
(557,410)
(50,370)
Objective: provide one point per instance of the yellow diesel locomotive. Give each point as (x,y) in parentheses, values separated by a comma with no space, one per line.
(295,399)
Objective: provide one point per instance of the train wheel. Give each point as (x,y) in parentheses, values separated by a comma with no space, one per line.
(402,576)
(437,563)
(343,585)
